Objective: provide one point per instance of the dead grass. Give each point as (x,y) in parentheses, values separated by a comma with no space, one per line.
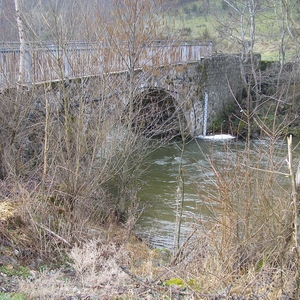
(245,252)
(111,267)
(97,264)
(253,261)
(95,273)
(7,210)
(208,275)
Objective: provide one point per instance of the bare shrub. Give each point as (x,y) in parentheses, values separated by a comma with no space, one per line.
(97,263)
(53,224)
(248,238)
(97,273)
(73,160)
(20,139)
(49,284)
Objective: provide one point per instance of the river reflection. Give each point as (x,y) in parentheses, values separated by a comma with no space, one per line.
(157,223)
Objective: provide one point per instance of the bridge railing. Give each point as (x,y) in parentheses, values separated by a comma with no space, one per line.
(49,62)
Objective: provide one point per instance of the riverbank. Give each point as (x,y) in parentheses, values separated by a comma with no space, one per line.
(244,250)
(111,263)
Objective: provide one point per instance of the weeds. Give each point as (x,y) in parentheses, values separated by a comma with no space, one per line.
(249,241)
(97,264)
(248,245)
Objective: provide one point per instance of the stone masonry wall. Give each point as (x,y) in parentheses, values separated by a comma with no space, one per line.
(219,77)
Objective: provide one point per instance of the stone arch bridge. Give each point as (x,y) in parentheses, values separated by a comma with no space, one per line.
(166,97)
(179,91)
(171,99)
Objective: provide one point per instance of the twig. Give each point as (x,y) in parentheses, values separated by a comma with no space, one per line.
(54,234)
(295,207)
(48,230)
(294,194)
(266,171)
(134,277)
(179,251)
(145,284)
(297,179)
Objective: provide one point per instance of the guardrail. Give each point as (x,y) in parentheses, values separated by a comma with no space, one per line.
(49,62)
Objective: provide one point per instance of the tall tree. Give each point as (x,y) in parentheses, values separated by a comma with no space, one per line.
(133,26)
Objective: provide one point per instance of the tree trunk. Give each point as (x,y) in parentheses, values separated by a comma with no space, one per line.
(21,32)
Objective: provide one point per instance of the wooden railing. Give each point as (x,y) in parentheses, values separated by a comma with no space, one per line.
(49,62)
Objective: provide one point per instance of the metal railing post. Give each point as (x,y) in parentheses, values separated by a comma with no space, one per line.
(27,65)
(67,66)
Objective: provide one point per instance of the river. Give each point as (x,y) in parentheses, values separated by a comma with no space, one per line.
(159,192)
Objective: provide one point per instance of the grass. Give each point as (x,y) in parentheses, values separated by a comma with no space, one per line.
(15,270)
(204,26)
(245,251)
(200,25)
(12,296)
(222,257)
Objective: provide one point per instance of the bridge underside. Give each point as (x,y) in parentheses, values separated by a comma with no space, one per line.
(155,113)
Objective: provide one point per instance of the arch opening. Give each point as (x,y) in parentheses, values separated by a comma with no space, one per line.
(155,113)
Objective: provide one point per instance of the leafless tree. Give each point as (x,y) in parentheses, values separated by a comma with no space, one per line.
(83,141)
(21,31)
(133,27)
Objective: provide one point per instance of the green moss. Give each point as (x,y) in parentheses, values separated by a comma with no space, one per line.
(259,265)
(174,281)
(295,131)
(203,74)
(194,284)
(265,64)
(15,270)
(217,124)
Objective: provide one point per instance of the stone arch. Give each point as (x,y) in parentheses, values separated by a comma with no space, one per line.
(156,112)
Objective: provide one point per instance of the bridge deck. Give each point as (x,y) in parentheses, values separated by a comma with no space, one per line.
(50,62)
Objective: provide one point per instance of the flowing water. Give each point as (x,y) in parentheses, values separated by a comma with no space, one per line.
(159,193)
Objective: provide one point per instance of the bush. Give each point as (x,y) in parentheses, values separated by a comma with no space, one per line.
(249,235)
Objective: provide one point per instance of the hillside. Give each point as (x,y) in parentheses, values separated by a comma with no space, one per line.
(217,21)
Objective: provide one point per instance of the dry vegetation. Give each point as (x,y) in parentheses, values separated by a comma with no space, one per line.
(70,167)
(247,249)
(63,242)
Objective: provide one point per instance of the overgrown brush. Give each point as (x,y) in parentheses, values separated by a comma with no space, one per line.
(248,242)
(68,161)
(94,270)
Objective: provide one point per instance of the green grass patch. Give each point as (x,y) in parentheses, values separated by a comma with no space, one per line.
(12,296)
(14,270)
(194,21)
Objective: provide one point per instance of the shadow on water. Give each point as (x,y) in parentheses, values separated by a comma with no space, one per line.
(157,224)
